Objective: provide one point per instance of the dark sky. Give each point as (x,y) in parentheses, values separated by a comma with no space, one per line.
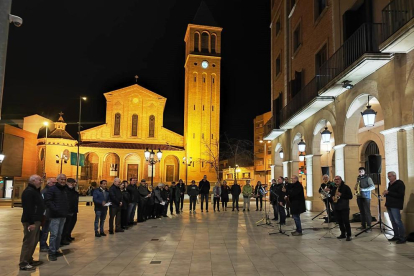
(69,48)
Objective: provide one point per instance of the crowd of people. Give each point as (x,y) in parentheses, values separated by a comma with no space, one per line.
(51,213)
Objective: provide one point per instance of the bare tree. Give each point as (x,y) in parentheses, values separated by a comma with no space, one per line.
(212,156)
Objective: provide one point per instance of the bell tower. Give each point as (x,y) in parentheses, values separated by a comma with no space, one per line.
(202,93)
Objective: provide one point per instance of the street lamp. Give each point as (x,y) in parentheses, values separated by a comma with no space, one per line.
(79,128)
(62,159)
(281,154)
(150,158)
(326,135)
(187,164)
(369,115)
(301,145)
(46,124)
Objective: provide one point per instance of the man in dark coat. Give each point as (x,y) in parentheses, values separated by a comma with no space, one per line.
(175,195)
(33,209)
(56,200)
(181,186)
(143,195)
(341,194)
(132,189)
(273,198)
(45,227)
(193,192)
(280,206)
(72,217)
(204,187)
(115,197)
(395,202)
(297,202)
(235,193)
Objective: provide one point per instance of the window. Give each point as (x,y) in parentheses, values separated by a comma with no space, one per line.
(213,44)
(202,136)
(134,130)
(319,6)
(278,26)
(117,125)
(229,176)
(246,175)
(278,66)
(204,42)
(296,38)
(320,58)
(196,42)
(151,126)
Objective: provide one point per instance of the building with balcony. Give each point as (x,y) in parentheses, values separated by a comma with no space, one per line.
(330,60)
(262,149)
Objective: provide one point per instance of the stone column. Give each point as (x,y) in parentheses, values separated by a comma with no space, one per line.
(285,168)
(294,168)
(340,160)
(309,175)
(317,204)
(272,172)
(351,163)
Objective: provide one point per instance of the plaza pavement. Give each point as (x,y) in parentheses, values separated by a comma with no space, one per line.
(225,243)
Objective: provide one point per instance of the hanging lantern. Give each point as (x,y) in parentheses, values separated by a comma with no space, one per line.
(281,153)
(369,116)
(326,135)
(301,145)
(301,157)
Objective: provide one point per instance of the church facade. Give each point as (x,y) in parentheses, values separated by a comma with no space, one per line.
(134,123)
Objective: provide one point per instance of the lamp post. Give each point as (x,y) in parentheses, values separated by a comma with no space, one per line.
(46,124)
(61,159)
(369,115)
(79,128)
(187,164)
(150,158)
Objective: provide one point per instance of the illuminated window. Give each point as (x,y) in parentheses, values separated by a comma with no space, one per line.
(117,125)
(151,126)
(196,42)
(134,130)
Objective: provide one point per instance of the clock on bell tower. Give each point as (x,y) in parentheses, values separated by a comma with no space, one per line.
(202,93)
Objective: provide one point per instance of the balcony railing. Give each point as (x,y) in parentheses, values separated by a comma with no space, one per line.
(366,39)
(395,15)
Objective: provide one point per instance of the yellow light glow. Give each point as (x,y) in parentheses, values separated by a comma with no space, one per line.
(45,123)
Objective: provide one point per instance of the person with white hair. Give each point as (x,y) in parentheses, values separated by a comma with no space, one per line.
(394,202)
(33,208)
(159,203)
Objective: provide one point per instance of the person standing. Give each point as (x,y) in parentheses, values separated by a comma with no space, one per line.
(193,191)
(115,197)
(273,198)
(327,186)
(182,187)
(175,195)
(33,209)
(281,202)
(125,204)
(158,202)
(56,200)
(45,228)
(258,195)
(225,191)
(235,193)
(297,202)
(72,217)
(204,187)
(132,189)
(365,185)
(89,192)
(100,198)
(165,195)
(341,194)
(247,193)
(286,184)
(143,195)
(216,196)
(395,202)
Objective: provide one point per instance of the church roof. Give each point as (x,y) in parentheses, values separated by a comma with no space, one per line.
(56,133)
(204,16)
(136,146)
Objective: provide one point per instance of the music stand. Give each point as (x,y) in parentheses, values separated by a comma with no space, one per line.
(280,225)
(266,215)
(329,222)
(380,223)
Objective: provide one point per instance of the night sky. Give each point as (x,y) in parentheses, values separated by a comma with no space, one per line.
(70,48)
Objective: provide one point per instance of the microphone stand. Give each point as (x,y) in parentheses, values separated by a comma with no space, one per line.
(266,215)
(280,225)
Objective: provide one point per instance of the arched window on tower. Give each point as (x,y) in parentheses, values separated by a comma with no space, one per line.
(134,130)
(213,43)
(196,42)
(151,126)
(117,125)
(204,42)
